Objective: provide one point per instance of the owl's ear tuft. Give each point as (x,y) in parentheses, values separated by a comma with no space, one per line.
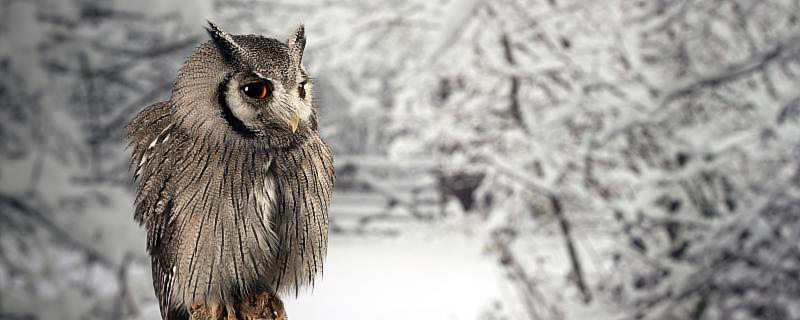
(224,42)
(297,43)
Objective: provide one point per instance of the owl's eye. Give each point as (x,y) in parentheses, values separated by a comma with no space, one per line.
(301,89)
(258,90)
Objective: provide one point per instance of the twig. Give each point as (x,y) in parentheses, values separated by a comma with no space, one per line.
(733,72)
(569,242)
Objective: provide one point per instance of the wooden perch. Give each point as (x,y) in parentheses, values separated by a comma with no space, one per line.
(265,306)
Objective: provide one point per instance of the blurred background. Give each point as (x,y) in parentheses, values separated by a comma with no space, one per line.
(511,159)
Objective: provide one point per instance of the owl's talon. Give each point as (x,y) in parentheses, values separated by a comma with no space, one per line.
(231,311)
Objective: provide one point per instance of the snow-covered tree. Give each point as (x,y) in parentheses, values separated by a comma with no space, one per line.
(71,81)
(676,119)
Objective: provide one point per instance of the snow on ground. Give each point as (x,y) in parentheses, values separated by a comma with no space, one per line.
(425,275)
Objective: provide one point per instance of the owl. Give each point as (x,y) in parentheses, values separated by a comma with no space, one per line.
(233,179)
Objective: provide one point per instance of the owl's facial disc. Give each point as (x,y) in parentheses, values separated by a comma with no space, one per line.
(265,90)
(261,104)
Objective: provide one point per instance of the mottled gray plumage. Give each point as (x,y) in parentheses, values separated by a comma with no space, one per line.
(233,191)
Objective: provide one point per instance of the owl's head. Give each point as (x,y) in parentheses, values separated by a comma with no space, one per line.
(246,85)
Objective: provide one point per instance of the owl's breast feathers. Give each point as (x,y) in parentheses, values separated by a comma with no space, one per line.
(226,217)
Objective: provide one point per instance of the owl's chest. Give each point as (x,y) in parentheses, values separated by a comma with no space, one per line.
(266,200)
(227,240)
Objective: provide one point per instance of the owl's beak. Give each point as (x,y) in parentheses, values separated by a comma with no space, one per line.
(295,122)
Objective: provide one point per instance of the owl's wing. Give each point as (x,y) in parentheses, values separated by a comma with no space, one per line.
(304,181)
(148,134)
(163,263)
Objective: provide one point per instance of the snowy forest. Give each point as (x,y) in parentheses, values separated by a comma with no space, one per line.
(509,159)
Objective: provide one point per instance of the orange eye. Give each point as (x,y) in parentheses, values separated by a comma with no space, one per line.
(258,90)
